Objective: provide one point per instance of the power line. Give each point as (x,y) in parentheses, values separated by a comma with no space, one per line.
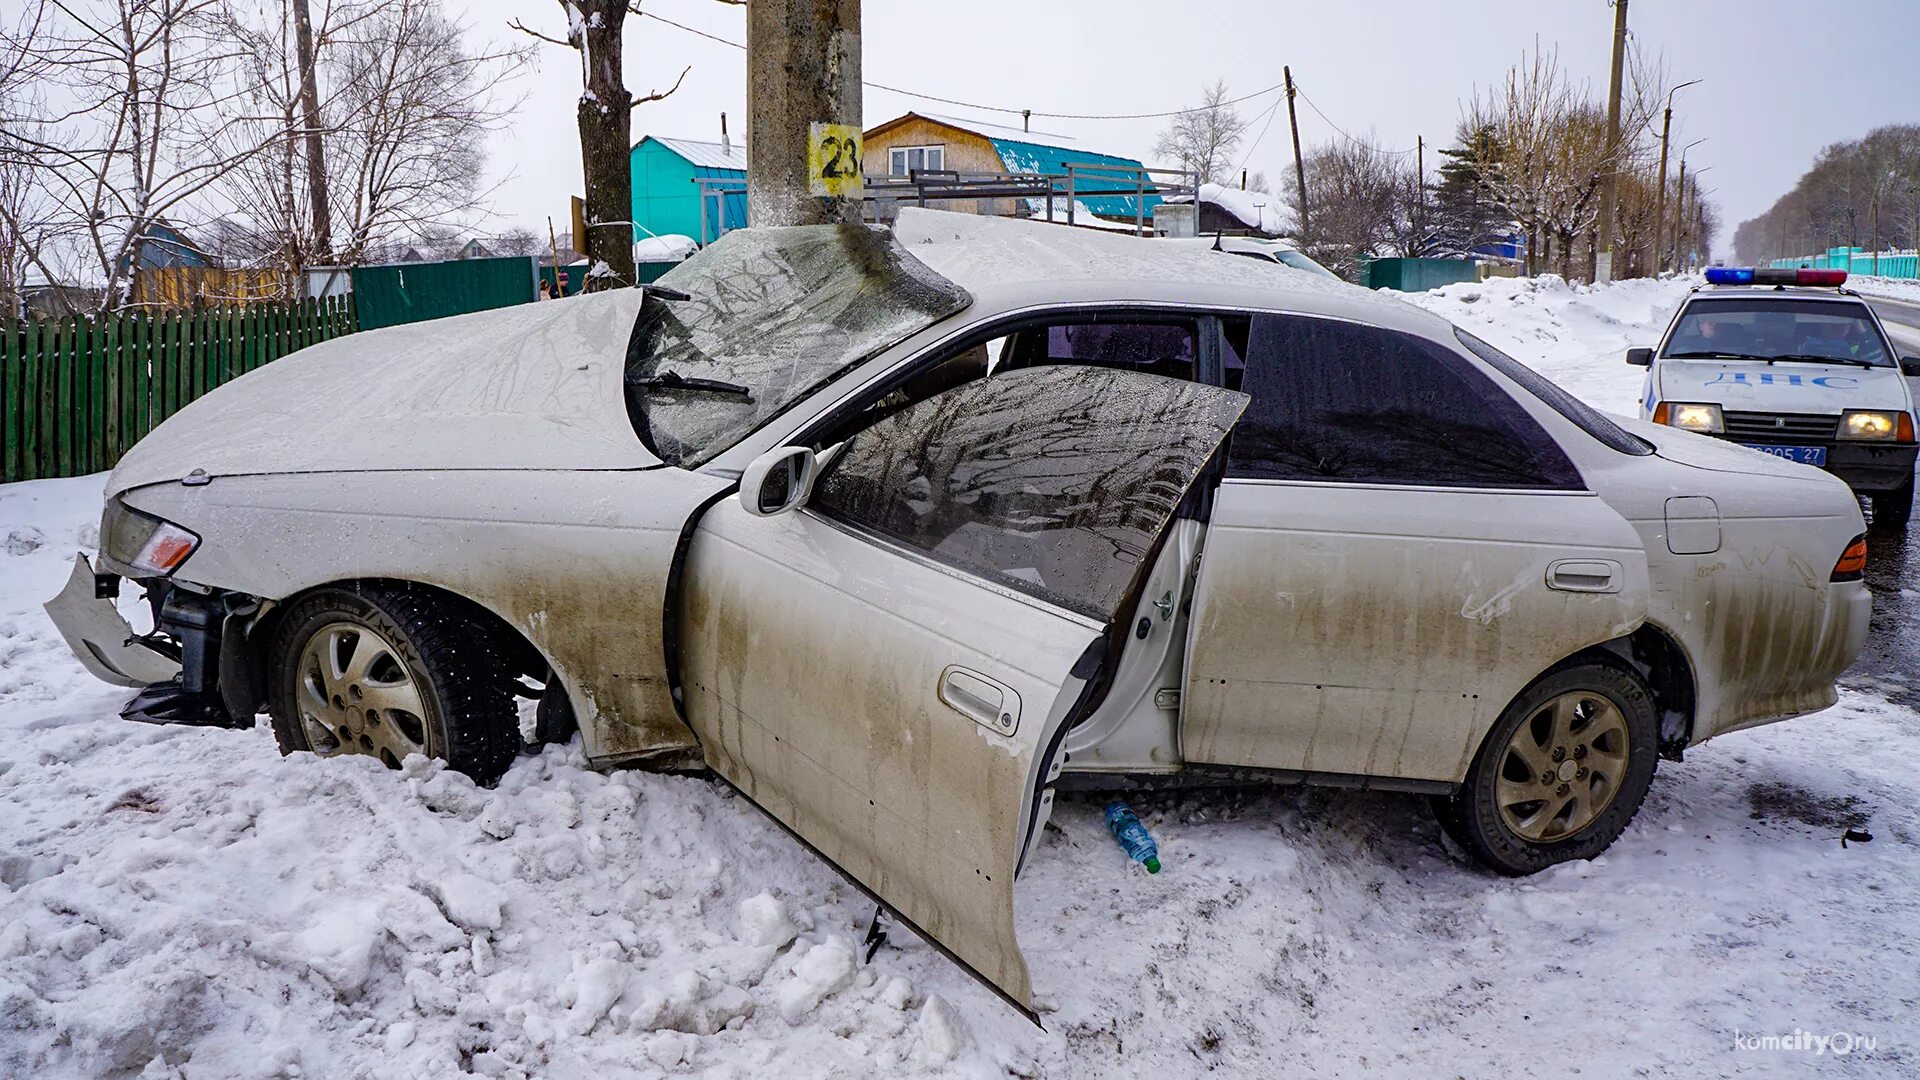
(1272,110)
(991,108)
(1343,131)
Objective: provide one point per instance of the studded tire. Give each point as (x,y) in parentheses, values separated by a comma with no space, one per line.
(387,670)
(1517,820)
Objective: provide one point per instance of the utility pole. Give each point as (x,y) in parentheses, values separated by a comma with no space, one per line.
(803,68)
(1660,193)
(1610,189)
(316,150)
(1299,166)
(1679,199)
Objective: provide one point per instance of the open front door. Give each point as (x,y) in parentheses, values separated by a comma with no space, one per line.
(889,671)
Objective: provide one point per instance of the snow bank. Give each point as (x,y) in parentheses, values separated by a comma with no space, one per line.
(179,903)
(1576,335)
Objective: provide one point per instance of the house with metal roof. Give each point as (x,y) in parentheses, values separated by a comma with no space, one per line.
(1108,185)
(687,187)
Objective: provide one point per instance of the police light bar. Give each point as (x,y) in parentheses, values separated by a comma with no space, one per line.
(1747,275)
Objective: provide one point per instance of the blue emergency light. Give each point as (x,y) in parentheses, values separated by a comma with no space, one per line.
(1747,275)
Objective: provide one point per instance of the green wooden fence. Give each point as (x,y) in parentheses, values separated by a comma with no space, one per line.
(76,393)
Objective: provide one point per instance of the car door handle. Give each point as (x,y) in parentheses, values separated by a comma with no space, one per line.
(990,704)
(1584,575)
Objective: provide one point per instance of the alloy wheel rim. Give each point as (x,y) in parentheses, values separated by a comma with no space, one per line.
(355,695)
(1563,767)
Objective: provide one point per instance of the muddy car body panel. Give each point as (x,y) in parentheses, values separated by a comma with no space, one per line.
(660,497)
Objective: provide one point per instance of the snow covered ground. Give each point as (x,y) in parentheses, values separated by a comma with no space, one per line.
(186,903)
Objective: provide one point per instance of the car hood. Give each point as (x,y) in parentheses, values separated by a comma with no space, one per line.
(1784,387)
(534,386)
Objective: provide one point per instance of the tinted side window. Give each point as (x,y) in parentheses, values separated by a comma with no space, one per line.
(1345,402)
(1590,419)
(1153,347)
(1055,481)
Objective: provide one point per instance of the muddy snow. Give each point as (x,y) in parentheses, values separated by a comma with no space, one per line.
(187,903)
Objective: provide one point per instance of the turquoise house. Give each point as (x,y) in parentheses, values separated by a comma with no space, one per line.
(667,191)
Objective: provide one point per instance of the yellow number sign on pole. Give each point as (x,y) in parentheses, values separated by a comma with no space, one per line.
(833,160)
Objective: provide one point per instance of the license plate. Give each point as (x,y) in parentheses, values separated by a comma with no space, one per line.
(1805,455)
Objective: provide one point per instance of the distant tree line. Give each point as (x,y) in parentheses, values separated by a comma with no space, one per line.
(1861,193)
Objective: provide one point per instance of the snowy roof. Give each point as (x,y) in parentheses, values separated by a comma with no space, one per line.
(667,247)
(1258,210)
(712,155)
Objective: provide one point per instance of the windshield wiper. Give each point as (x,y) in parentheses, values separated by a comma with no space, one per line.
(1809,358)
(673,380)
(665,293)
(1713,356)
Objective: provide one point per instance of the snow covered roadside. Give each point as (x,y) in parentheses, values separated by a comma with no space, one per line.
(1577,335)
(1906,289)
(191,897)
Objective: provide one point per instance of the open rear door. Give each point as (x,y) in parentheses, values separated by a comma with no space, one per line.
(889,671)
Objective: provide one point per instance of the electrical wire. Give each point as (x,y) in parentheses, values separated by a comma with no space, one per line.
(993,108)
(1272,111)
(1343,131)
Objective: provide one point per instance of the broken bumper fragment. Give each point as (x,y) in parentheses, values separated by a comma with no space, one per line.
(101,637)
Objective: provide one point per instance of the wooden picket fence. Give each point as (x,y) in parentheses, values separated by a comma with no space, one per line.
(76,393)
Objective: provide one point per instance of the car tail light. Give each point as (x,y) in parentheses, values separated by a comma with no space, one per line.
(1853,561)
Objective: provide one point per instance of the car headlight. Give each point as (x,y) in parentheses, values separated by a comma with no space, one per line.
(1874,426)
(1703,418)
(142,541)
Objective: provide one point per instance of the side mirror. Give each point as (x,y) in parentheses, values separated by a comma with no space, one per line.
(1640,357)
(1910,365)
(778,481)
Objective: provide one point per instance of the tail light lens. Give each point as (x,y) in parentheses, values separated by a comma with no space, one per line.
(1853,561)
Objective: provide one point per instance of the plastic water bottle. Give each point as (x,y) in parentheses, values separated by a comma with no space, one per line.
(1133,836)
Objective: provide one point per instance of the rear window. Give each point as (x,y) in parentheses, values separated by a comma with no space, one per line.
(1768,328)
(1589,419)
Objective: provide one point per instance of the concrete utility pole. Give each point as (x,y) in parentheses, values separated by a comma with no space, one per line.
(316,151)
(1299,166)
(1680,200)
(803,67)
(1610,189)
(1660,192)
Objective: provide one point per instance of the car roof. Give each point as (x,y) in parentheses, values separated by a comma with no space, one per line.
(1007,264)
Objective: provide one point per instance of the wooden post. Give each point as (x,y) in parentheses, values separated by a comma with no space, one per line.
(1610,181)
(1299,163)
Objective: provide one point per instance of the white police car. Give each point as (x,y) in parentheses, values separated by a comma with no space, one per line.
(1784,362)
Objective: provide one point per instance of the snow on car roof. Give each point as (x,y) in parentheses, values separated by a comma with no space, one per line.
(995,258)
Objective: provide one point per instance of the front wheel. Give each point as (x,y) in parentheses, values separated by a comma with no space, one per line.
(1893,509)
(387,671)
(1562,772)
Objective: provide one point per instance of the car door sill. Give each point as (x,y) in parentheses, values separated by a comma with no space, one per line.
(1356,781)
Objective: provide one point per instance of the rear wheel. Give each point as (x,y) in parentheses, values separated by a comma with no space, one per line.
(386,671)
(1893,509)
(1562,772)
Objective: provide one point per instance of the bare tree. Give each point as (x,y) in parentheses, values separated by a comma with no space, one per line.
(1202,139)
(1351,197)
(140,96)
(405,106)
(606,132)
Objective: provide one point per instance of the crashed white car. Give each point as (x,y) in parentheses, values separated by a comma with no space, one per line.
(889,528)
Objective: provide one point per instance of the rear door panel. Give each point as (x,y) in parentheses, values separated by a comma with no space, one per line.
(1380,631)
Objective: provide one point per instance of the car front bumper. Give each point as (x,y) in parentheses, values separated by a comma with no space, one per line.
(1866,467)
(101,637)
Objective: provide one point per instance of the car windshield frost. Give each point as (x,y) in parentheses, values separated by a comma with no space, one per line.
(768,316)
(1763,328)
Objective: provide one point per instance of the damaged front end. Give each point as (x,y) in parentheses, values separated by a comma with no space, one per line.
(193,667)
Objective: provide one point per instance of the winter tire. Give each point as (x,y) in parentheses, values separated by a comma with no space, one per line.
(388,671)
(1893,509)
(1562,772)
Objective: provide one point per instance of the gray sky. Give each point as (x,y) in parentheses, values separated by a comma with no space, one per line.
(1783,79)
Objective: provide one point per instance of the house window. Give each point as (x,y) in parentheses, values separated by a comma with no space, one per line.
(902,160)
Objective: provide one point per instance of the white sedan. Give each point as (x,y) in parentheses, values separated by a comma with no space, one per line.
(888,528)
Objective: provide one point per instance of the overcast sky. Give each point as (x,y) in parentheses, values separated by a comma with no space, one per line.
(1782,79)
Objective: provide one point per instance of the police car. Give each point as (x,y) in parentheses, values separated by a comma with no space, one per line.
(1786,362)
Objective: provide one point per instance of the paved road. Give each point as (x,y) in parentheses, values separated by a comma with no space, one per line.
(1890,664)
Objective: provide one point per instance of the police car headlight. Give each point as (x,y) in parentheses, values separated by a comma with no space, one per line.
(1870,426)
(1705,419)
